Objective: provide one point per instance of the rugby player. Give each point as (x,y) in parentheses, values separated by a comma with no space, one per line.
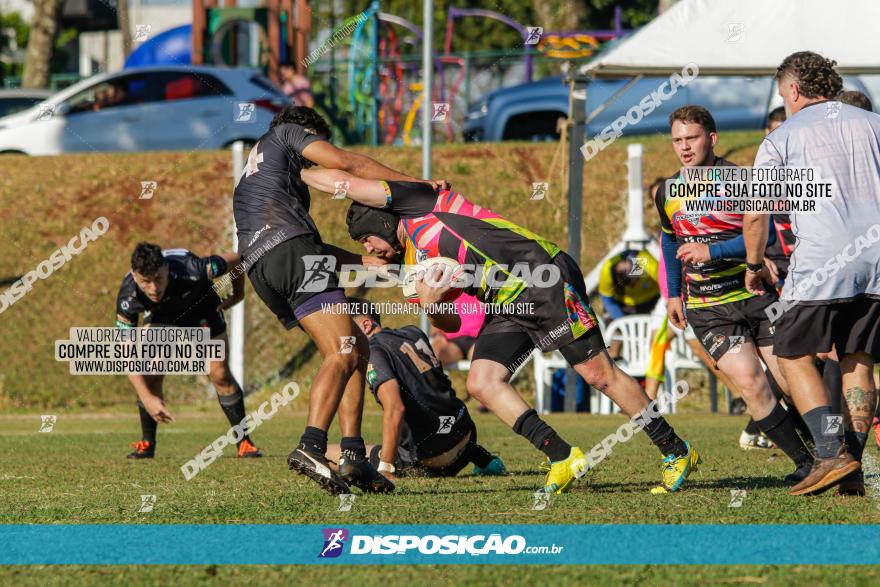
(174,288)
(841,309)
(425,428)
(390,217)
(730,321)
(776,259)
(276,235)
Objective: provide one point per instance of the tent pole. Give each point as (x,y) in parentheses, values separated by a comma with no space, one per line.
(577,109)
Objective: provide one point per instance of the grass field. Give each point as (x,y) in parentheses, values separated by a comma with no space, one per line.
(77,474)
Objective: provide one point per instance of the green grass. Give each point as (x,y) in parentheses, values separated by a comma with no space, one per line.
(77,474)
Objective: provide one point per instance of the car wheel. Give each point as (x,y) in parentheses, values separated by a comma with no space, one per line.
(531,126)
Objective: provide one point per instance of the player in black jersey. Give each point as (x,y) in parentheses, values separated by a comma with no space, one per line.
(175,288)
(291,269)
(425,428)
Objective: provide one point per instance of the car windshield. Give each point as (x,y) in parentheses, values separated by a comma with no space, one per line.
(12,105)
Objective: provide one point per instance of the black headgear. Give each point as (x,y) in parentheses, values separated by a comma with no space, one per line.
(366,221)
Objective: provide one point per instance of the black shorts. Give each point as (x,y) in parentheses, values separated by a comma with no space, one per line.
(723,327)
(207,319)
(404,468)
(464,344)
(561,319)
(850,327)
(290,288)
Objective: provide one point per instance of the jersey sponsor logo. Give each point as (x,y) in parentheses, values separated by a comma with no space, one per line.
(717,341)
(258,233)
(372,376)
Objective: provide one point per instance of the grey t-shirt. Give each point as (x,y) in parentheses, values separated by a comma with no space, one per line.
(837,253)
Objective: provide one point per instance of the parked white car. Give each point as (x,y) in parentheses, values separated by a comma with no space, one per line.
(147,109)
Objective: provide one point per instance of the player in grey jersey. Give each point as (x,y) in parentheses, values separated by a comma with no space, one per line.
(831,298)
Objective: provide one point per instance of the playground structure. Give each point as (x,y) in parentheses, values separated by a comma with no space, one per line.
(279,30)
(384,87)
(367,76)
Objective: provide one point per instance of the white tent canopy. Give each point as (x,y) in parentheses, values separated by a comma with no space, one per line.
(748,37)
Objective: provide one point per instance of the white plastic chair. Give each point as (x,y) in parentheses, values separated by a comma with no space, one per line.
(545,366)
(679,356)
(634,334)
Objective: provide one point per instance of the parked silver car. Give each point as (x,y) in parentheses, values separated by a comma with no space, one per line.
(146,109)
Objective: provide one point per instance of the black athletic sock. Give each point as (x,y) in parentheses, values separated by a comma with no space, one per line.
(315,440)
(233,407)
(779,427)
(479,455)
(148,424)
(833,380)
(751,427)
(827,445)
(855,443)
(542,436)
(665,438)
(795,416)
(354,444)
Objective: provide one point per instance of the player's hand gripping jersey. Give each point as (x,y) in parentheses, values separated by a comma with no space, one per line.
(718,281)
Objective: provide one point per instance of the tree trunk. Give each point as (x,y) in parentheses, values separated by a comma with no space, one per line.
(556,16)
(124,27)
(665,5)
(41,43)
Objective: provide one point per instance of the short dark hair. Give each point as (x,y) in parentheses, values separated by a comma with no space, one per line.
(147,259)
(855,98)
(814,74)
(361,307)
(696,114)
(776,115)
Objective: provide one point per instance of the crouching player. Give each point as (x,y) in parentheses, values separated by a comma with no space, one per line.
(174,288)
(425,428)
(425,224)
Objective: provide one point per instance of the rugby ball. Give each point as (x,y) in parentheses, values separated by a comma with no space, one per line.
(413,272)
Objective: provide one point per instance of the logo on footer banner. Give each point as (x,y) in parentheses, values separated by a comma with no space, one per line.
(334,540)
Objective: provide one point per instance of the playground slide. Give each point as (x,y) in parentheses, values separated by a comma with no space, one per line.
(171,47)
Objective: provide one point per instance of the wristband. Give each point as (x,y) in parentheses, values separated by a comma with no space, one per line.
(383,466)
(754,267)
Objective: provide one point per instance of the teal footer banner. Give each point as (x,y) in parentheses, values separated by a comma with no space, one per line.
(439,544)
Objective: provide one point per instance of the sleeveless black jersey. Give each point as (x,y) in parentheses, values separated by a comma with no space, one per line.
(435,420)
(188,298)
(271,202)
